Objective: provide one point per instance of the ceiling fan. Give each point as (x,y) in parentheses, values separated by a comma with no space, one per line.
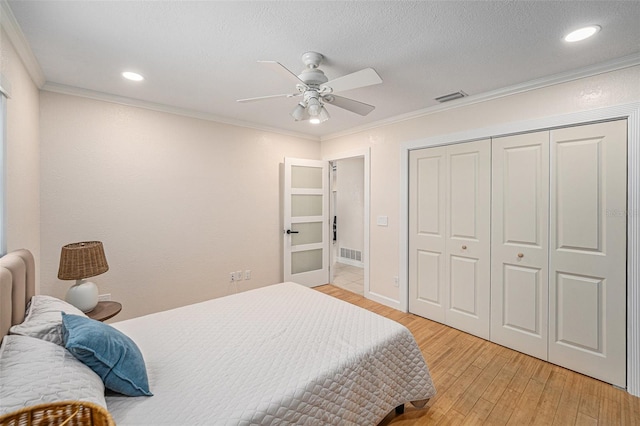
(317,90)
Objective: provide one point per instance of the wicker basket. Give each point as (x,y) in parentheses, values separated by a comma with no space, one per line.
(63,413)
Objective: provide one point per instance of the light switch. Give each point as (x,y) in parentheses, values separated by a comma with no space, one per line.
(382,220)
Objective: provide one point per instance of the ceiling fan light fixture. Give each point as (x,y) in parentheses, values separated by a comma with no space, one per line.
(298,112)
(314,107)
(322,116)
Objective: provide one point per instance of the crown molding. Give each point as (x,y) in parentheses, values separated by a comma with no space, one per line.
(122,100)
(10,25)
(604,67)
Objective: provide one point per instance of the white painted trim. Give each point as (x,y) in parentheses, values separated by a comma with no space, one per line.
(366,154)
(9,23)
(633,252)
(5,86)
(613,65)
(3,175)
(350,262)
(122,100)
(384,300)
(629,111)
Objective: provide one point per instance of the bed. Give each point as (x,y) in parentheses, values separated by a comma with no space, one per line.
(282,354)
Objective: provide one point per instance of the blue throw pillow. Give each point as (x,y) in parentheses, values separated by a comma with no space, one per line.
(108,352)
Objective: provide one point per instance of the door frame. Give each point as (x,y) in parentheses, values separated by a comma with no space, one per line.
(365,153)
(629,111)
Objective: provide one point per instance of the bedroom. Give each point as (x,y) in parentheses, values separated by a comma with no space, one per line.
(156,185)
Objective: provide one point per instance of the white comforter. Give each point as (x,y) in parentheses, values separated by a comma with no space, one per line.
(279,354)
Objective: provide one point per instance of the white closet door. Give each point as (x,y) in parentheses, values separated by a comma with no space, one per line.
(588,250)
(468,237)
(519,249)
(427,186)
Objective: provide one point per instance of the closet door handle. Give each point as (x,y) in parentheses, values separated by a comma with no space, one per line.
(520,255)
(464,247)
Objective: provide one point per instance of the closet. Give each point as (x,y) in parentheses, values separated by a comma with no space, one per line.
(521,240)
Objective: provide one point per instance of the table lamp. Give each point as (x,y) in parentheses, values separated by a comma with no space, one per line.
(77,262)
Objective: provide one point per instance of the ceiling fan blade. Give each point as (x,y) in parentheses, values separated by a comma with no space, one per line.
(362,78)
(261,98)
(349,104)
(278,67)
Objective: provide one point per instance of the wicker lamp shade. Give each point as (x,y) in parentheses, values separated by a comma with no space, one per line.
(70,413)
(82,260)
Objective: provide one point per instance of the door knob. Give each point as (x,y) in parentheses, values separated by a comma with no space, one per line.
(464,247)
(289,231)
(520,255)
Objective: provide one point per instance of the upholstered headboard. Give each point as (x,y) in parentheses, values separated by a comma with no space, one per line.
(17,285)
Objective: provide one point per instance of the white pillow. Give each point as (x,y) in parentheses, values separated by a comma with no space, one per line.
(33,371)
(44,319)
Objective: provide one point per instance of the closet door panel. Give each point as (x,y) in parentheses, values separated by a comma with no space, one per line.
(519,249)
(427,183)
(468,262)
(588,250)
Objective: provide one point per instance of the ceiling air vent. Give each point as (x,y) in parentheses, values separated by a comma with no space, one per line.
(451,96)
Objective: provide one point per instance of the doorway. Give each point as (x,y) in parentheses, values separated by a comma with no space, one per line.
(349,211)
(347,220)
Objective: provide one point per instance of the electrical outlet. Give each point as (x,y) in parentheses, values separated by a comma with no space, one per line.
(104,297)
(247,274)
(232,276)
(239,276)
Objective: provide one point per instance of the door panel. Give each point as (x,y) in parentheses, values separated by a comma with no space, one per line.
(429,277)
(463,192)
(521,299)
(519,248)
(578,194)
(468,242)
(588,250)
(427,263)
(579,308)
(463,291)
(306,217)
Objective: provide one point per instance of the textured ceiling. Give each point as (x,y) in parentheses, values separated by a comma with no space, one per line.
(201,56)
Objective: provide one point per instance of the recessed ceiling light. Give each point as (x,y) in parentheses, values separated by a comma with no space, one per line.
(133,76)
(582,33)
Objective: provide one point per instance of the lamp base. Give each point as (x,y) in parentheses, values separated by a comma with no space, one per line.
(83,295)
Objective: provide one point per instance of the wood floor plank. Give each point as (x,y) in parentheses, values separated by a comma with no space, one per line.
(479,413)
(610,412)
(590,398)
(478,382)
(467,401)
(501,381)
(527,404)
(550,398)
(569,401)
(504,408)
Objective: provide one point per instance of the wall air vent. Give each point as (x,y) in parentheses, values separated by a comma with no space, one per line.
(352,254)
(451,96)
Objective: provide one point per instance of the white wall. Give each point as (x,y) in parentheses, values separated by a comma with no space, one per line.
(606,89)
(178,202)
(22,155)
(350,203)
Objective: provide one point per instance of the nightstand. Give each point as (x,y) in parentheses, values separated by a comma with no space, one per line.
(105,310)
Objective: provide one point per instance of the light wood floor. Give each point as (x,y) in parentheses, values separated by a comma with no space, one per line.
(479,382)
